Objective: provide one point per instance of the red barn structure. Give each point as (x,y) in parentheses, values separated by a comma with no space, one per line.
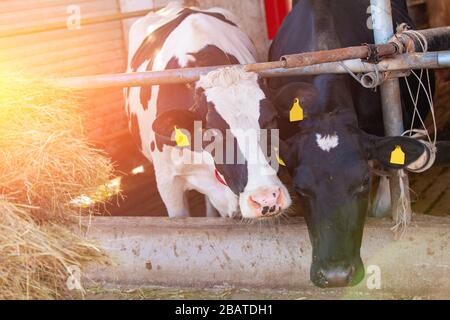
(276,11)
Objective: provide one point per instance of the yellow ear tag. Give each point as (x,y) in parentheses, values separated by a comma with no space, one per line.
(181,139)
(280,161)
(398,156)
(296,113)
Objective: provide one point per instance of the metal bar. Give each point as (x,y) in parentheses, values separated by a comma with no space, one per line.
(84,22)
(390,99)
(401,62)
(437,39)
(316,57)
(429,60)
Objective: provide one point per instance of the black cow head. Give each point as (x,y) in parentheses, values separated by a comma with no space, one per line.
(327,156)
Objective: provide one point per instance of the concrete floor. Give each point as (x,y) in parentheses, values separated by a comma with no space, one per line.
(159,293)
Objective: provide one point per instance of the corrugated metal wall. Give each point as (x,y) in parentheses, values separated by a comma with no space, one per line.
(91,49)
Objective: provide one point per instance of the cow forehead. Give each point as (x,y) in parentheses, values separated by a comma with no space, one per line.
(236,96)
(330,151)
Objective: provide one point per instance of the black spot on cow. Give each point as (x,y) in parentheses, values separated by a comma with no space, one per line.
(156,39)
(154,42)
(174,96)
(211,55)
(185,96)
(135,132)
(152,146)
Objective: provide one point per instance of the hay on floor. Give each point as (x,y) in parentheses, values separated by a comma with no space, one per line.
(45,163)
(35,260)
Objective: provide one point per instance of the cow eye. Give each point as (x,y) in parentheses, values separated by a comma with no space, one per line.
(216,134)
(303,192)
(364,186)
(272,124)
(366,180)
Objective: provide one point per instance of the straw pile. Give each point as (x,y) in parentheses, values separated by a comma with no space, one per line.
(45,163)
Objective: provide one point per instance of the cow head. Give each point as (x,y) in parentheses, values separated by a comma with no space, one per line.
(232,108)
(327,156)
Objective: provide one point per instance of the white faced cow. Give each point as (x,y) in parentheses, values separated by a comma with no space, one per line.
(227,99)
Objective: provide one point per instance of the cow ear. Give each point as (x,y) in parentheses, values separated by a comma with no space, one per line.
(393,152)
(442,153)
(177,127)
(285,98)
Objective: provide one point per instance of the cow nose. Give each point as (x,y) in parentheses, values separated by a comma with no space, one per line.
(267,201)
(335,277)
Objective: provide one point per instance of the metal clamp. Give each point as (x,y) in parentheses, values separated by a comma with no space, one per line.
(373,56)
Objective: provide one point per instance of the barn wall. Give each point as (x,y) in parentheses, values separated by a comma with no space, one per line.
(90,49)
(251,16)
(60,52)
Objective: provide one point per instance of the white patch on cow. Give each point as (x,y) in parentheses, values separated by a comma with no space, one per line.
(196,32)
(327,142)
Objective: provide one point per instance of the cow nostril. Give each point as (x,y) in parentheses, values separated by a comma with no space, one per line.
(351,273)
(335,277)
(321,279)
(266,201)
(255,204)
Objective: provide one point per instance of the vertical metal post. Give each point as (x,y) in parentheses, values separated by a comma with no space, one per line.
(390,97)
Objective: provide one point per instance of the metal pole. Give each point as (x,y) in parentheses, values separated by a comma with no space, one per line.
(429,60)
(383,30)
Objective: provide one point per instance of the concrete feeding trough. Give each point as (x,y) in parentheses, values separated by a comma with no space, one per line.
(208,252)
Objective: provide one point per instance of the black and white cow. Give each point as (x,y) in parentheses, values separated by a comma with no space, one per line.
(328,152)
(227,99)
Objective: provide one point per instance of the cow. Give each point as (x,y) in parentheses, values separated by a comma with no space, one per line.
(227,99)
(328,153)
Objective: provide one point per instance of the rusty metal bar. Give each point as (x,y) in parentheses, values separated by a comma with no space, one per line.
(429,60)
(358,52)
(273,69)
(437,39)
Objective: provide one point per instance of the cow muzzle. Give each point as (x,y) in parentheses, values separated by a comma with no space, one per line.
(338,275)
(266,202)
(335,277)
